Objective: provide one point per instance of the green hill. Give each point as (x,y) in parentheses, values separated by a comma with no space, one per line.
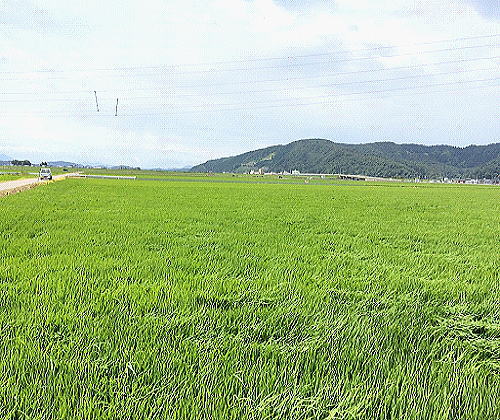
(385,159)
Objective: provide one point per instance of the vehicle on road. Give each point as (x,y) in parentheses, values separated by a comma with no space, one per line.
(45,173)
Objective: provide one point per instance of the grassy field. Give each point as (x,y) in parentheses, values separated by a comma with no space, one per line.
(6,175)
(205,300)
(10,177)
(10,173)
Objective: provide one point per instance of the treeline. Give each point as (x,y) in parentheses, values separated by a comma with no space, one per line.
(384,159)
(20,162)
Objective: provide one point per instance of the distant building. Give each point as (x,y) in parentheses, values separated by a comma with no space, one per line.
(295,172)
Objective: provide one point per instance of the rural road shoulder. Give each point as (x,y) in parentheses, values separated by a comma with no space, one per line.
(22,184)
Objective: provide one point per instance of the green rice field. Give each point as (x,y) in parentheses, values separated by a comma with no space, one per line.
(237,300)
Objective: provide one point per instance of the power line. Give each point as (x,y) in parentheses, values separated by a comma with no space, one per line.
(349,93)
(174,94)
(341,51)
(324,74)
(291,57)
(277,58)
(412,67)
(166,67)
(252,108)
(267,104)
(288,105)
(315,86)
(345,60)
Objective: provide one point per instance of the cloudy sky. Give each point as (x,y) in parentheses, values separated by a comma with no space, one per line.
(198,79)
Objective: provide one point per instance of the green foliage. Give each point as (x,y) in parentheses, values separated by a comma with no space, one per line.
(384,159)
(20,162)
(218,300)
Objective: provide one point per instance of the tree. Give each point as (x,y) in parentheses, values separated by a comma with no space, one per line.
(20,162)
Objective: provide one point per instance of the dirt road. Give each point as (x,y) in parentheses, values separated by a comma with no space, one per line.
(11,187)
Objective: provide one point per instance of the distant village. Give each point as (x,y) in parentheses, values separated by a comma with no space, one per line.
(445,180)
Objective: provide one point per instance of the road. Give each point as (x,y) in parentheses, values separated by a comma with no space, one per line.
(17,185)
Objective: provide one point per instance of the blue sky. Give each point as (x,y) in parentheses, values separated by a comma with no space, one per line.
(198,80)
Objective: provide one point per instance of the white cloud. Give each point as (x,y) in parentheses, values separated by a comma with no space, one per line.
(160,120)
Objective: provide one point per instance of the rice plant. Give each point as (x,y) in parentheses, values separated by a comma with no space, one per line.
(227,300)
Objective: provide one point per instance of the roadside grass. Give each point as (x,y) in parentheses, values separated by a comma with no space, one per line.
(135,299)
(11,173)
(9,177)
(26,172)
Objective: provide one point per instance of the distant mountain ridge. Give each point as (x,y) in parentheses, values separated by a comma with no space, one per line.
(384,159)
(63,163)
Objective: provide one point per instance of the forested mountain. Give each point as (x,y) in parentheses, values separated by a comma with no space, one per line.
(384,159)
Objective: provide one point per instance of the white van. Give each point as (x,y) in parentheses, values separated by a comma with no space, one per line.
(45,173)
